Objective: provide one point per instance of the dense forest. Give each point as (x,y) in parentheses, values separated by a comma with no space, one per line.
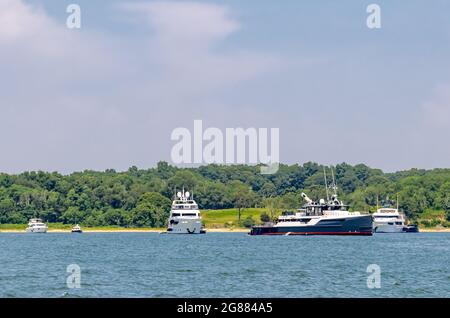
(141,198)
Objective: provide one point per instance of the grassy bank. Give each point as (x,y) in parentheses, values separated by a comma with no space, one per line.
(228,218)
(433,219)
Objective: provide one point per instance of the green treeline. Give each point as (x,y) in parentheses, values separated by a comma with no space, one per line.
(141,198)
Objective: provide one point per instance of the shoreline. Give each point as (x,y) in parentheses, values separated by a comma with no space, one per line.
(434,230)
(158,230)
(132,230)
(56,229)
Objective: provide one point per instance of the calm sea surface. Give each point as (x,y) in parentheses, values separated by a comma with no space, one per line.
(224,265)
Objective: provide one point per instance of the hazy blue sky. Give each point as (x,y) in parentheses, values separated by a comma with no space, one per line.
(110,94)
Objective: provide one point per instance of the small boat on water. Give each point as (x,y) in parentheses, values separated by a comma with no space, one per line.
(77,229)
(411,228)
(36,226)
(185,217)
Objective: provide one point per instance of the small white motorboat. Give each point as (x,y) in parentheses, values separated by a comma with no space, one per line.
(36,226)
(77,229)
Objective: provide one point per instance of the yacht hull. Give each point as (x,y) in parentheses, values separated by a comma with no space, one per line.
(387,228)
(383,228)
(360,225)
(186,227)
(36,230)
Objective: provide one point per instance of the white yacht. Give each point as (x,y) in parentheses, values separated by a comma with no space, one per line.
(388,220)
(185,216)
(36,226)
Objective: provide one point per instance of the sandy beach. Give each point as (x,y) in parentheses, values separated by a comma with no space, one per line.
(435,230)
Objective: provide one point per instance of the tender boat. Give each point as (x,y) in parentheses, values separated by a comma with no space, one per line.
(185,217)
(36,226)
(77,229)
(330,217)
(411,228)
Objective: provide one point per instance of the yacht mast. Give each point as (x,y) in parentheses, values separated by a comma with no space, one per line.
(334,182)
(326,183)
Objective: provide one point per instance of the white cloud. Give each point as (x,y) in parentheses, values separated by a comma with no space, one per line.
(20,21)
(183,47)
(85,99)
(77,99)
(186,23)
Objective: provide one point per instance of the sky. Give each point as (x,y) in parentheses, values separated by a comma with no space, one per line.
(108,95)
